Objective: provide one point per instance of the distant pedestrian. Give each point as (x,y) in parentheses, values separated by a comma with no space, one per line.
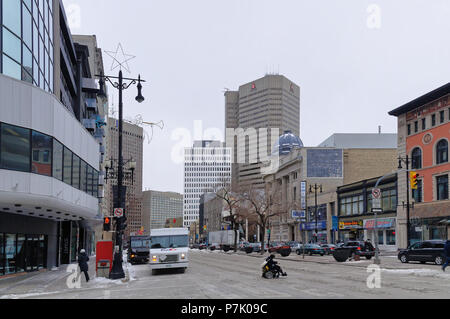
(83,263)
(446,255)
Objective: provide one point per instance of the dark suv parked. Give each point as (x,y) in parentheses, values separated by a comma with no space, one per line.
(424,251)
(364,249)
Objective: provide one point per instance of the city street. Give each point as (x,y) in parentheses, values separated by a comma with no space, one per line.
(222,275)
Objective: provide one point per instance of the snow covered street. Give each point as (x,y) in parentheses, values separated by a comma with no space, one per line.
(228,275)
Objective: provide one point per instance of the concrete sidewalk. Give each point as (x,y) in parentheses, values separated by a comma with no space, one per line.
(41,282)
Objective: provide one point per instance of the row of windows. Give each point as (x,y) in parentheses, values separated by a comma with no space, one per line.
(423,122)
(441,155)
(27,41)
(26,150)
(355,204)
(441,189)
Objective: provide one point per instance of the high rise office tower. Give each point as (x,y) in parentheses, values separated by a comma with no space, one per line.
(273,103)
(157,207)
(207,167)
(133,143)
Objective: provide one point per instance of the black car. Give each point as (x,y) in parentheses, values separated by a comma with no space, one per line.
(424,251)
(329,248)
(364,249)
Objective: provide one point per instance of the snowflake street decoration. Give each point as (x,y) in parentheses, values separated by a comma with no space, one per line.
(139,121)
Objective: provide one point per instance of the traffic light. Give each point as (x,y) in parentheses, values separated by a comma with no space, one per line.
(106,224)
(413,179)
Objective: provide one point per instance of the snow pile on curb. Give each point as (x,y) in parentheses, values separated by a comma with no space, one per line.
(419,272)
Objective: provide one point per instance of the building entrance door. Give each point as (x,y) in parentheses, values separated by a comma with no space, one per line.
(31,253)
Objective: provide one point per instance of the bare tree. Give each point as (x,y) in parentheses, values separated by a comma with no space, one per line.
(264,207)
(231,199)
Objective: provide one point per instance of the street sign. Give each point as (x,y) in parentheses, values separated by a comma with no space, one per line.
(298,214)
(376,199)
(377,210)
(118,212)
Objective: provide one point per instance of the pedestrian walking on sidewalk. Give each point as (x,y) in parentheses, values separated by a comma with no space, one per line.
(446,255)
(82,262)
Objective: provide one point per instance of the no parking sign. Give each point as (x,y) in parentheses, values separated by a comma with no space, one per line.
(118,212)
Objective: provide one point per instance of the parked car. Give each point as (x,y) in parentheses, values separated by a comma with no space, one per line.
(242,245)
(364,249)
(279,247)
(295,245)
(214,246)
(329,248)
(424,251)
(202,246)
(311,249)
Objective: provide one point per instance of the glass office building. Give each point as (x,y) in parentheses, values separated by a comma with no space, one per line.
(49,156)
(27,51)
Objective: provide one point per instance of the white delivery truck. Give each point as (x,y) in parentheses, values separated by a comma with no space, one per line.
(169,248)
(224,239)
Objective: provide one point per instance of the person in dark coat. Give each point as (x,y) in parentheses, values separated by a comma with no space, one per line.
(83,263)
(446,255)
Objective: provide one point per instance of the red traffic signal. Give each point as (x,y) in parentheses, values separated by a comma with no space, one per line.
(107,224)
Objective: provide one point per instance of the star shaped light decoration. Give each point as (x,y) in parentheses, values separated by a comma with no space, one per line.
(120,59)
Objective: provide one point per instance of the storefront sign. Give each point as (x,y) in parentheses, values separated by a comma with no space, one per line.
(351,225)
(312,225)
(335,226)
(381,223)
(303,194)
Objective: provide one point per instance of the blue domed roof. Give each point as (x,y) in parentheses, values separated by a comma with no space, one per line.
(286,143)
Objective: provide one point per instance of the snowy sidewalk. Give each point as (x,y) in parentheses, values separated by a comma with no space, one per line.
(53,282)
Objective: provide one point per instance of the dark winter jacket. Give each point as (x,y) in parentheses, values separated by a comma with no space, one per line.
(82,261)
(447,248)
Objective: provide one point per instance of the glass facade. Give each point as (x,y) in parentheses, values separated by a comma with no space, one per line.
(20,253)
(27,41)
(26,150)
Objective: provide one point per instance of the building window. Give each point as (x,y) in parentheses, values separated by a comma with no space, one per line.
(67,166)
(76,172)
(15,148)
(42,149)
(416,127)
(424,124)
(442,152)
(389,200)
(416,156)
(57,160)
(433,120)
(442,116)
(409,129)
(390,237)
(417,193)
(442,187)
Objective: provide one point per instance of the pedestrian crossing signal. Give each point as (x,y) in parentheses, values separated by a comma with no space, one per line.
(413,180)
(106,224)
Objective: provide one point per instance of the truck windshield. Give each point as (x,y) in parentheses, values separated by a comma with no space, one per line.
(140,243)
(180,241)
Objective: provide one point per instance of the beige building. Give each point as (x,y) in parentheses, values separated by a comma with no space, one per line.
(132,149)
(327,168)
(272,102)
(158,207)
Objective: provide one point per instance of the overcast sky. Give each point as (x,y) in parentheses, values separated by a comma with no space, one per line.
(354,60)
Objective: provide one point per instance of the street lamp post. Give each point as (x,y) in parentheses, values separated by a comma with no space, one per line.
(314,189)
(407,161)
(117,269)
